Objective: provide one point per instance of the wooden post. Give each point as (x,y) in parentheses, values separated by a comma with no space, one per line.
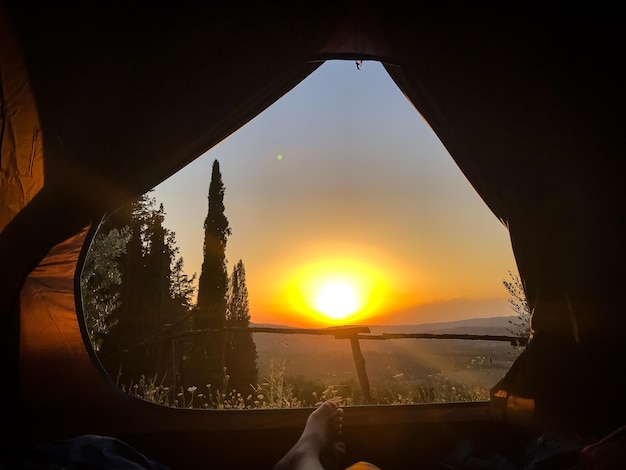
(359,362)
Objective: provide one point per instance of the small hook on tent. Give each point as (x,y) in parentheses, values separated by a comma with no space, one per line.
(359,63)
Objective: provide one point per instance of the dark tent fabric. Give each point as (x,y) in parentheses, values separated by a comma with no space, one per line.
(100,103)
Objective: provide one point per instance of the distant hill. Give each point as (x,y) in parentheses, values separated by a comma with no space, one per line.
(473,326)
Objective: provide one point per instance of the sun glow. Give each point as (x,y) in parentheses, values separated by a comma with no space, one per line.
(337,291)
(337,299)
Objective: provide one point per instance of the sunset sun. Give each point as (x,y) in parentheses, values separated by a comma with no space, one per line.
(337,300)
(336,291)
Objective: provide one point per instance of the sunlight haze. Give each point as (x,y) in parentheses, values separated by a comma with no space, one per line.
(342,182)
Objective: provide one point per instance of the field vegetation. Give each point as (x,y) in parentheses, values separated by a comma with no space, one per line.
(305,370)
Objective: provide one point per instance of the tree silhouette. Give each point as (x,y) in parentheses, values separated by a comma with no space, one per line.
(241,356)
(146,307)
(129,330)
(206,363)
(182,288)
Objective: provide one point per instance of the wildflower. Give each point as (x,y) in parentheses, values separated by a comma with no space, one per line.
(192,389)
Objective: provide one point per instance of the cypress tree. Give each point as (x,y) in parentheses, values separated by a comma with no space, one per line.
(241,358)
(206,364)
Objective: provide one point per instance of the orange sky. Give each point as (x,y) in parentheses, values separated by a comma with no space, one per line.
(341,187)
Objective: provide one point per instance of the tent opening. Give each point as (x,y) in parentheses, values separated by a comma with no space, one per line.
(335,214)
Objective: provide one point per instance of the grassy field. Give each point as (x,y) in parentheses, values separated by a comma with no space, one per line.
(299,369)
(390,364)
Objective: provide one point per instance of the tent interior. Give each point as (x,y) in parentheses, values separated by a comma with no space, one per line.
(101,102)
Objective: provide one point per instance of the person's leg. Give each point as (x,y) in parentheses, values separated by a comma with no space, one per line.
(319,440)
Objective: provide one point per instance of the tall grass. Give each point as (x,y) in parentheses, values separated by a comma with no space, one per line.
(277,391)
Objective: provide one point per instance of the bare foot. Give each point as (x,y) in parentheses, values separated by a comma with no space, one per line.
(320,436)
